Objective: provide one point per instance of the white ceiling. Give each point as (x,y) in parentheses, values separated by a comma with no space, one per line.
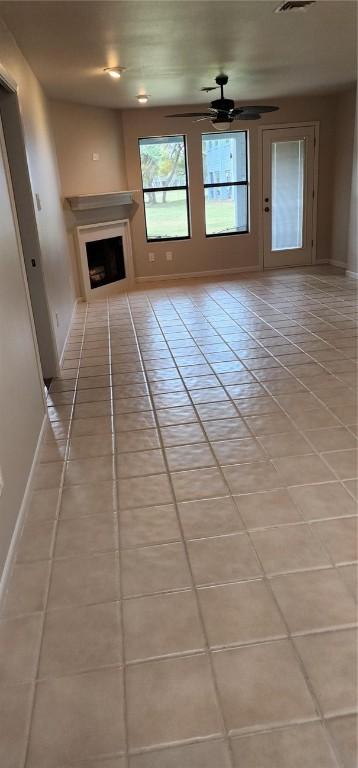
(173,47)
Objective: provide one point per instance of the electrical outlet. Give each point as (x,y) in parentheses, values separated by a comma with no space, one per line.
(169,256)
(95,156)
(57,319)
(38,201)
(151,256)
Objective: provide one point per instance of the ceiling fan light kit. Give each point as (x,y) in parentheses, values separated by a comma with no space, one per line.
(222,112)
(221,125)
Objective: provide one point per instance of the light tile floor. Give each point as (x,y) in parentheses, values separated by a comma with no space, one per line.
(184,589)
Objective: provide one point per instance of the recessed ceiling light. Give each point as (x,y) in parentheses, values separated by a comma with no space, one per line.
(142,98)
(114,72)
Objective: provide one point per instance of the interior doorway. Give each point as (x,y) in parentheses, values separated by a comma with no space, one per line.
(288,209)
(24,202)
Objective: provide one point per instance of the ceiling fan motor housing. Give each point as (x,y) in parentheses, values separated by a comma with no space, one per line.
(224,105)
(222,111)
(222,79)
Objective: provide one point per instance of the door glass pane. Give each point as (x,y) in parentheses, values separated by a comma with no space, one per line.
(288,162)
(225,209)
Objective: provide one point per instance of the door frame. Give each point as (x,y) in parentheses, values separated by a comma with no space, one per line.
(21,259)
(277,127)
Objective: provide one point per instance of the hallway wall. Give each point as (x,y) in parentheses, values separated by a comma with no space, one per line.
(21,400)
(21,388)
(43,170)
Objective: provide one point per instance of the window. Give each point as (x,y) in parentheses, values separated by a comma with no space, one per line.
(226,199)
(165,187)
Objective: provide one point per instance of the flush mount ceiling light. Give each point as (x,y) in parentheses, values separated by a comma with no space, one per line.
(142,98)
(114,72)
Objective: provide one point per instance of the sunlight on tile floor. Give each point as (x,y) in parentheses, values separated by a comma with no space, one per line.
(184,590)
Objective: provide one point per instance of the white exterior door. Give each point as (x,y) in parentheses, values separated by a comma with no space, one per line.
(288,194)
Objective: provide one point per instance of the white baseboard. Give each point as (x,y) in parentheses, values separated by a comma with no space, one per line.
(21,516)
(338,263)
(76,301)
(188,275)
(354,275)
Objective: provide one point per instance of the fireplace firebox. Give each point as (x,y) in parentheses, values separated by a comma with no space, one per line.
(105,261)
(105,255)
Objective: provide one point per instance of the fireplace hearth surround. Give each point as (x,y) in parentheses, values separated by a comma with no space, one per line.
(105,254)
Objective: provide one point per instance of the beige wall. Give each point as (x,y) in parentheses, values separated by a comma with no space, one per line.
(343,119)
(201,253)
(79,132)
(114,136)
(43,170)
(352,249)
(21,402)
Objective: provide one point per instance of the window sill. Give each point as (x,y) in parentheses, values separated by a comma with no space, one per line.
(167,239)
(228,234)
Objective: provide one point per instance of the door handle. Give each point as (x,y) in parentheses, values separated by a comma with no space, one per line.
(266,209)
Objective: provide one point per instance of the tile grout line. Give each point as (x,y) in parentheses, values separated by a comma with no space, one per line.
(219,706)
(46,596)
(268,584)
(301,665)
(262,383)
(315,451)
(117,528)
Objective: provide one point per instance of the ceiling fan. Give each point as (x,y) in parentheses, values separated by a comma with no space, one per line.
(222,112)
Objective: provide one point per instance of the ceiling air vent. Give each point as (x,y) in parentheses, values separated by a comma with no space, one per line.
(294,6)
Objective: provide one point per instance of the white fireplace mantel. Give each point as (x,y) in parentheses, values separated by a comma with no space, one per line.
(103,200)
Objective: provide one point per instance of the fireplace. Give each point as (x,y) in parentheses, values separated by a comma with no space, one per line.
(105,257)
(105,261)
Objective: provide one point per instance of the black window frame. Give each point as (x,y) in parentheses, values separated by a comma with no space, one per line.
(230,184)
(167,189)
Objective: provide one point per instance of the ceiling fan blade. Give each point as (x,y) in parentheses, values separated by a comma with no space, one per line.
(248,116)
(253,108)
(190,114)
(200,119)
